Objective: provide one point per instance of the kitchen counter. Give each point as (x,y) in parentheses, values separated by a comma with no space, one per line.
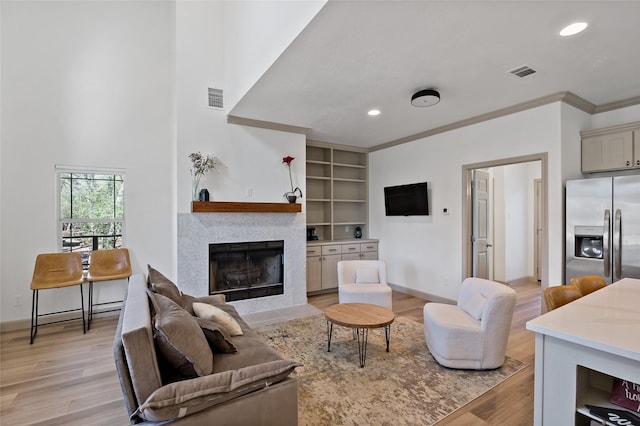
(577,344)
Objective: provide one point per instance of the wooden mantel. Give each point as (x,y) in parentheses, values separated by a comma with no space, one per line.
(240,207)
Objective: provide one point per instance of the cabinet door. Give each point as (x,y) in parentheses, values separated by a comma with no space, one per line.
(351,256)
(607,152)
(369,255)
(330,271)
(314,273)
(636,148)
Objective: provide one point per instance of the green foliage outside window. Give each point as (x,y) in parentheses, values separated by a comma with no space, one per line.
(91,211)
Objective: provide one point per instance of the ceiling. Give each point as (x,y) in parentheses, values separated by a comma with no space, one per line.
(355,56)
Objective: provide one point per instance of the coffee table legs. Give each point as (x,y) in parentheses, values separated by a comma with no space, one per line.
(329,333)
(362,335)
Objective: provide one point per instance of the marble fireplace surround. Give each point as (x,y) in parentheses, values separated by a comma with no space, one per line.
(197,230)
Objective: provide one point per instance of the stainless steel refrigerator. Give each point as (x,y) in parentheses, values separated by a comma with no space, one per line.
(603,228)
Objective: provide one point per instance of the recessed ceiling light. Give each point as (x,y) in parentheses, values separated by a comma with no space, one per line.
(374,112)
(574,28)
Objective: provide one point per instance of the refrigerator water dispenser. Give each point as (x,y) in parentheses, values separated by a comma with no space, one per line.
(589,242)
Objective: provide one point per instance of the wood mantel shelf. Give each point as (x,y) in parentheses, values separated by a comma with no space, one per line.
(240,207)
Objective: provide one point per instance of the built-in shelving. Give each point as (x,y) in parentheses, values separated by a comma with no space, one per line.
(337,198)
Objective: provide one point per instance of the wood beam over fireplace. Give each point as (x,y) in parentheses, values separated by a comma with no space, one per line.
(242,207)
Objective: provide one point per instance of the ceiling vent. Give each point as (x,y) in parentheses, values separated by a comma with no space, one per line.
(523,71)
(215,98)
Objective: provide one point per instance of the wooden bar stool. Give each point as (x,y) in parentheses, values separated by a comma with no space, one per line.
(55,270)
(107,265)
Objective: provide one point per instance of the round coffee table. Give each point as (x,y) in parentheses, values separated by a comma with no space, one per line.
(360,317)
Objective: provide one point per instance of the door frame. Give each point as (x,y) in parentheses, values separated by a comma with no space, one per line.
(467,226)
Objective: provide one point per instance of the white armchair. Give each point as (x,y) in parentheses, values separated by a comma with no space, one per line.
(472,334)
(363,281)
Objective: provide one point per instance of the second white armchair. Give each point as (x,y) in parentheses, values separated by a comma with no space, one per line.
(363,281)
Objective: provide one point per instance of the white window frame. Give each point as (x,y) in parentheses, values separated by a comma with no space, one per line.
(61,169)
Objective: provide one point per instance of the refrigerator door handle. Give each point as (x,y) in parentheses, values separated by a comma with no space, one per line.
(617,245)
(605,243)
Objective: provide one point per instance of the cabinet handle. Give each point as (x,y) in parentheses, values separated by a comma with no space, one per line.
(628,163)
(637,162)
(351,249)
(332,250)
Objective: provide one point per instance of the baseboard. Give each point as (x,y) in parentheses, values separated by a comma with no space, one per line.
(25,324)
(421,294)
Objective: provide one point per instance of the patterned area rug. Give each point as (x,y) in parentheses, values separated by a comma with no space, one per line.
(405,386)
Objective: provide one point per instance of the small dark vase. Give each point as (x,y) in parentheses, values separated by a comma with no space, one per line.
(292,198)
(204,195)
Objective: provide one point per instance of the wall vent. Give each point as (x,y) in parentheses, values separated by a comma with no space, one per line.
(523,71)
(215,98)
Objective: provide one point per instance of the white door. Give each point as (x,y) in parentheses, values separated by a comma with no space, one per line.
(482,218)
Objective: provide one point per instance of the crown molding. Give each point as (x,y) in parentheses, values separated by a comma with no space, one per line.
(617,105)
(233,119)
(556,97)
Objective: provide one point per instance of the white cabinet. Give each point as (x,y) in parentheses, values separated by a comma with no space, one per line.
(611,148)
(336,197)
(323,258)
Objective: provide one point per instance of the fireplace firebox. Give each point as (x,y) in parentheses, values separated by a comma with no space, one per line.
(246,270)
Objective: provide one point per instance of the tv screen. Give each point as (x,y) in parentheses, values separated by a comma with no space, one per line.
(406,200)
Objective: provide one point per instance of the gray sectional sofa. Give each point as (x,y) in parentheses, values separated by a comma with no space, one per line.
(247,385)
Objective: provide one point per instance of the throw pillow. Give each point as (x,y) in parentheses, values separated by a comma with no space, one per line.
(213,313)
(367,275)
(164,286)
(180,339)
(218,338)
(475,305)
(186,397)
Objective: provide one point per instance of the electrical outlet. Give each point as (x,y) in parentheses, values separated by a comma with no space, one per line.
(346,228)
(17,301)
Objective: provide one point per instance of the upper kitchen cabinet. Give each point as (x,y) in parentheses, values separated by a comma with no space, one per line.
(611,148)
(336,191)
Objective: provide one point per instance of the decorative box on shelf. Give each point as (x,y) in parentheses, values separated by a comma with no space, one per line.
(242,207)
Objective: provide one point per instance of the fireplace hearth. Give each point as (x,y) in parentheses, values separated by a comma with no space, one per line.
(246,270)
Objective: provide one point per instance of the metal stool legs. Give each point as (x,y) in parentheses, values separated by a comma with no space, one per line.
(35,315)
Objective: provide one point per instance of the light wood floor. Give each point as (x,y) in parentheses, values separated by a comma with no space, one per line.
(67,378)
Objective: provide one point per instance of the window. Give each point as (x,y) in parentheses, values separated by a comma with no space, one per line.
(91,209)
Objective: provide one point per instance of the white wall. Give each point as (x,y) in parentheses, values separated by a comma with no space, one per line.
(425,254)
(123,84)
(256,34)
(86,84)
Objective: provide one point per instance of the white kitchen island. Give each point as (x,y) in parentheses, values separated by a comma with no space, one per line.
(580,347)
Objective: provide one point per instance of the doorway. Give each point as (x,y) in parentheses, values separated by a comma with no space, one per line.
(504,233)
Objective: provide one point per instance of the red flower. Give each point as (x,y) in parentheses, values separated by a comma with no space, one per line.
(288,159)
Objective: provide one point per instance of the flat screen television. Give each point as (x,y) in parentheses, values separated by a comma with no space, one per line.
(406,200)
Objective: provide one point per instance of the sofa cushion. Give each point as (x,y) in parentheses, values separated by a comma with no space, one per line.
(218,338)
(183,398)
(213,313)
(180,339)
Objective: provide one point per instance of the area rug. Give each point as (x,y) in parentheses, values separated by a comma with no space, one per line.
(405,386)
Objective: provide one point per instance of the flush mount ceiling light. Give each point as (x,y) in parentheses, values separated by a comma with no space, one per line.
(425,98)
(374,112)
(573,29)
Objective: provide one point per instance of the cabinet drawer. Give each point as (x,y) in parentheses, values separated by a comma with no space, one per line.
(335,249)
(350,248)
(369,247)
(314,251)
(351,256)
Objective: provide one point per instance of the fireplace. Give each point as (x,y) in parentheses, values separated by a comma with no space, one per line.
(246,270)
